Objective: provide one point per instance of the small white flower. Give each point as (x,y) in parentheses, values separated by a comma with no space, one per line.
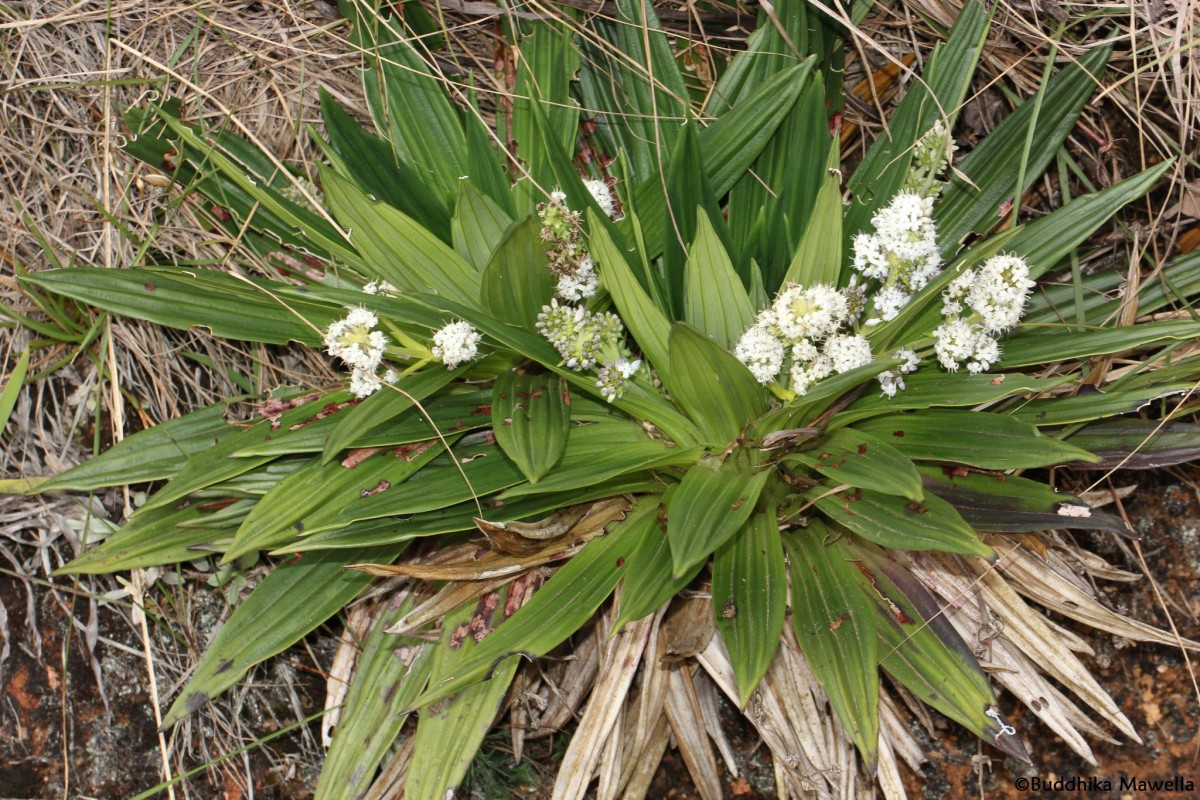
(761,352)
(955,343)
(909,361)
(905,226)
(811,312)
(364,383)
(847,351)
(889,300)
(352,340)
(558,196)
(987,352)
(890,382)
(579,284)
(804,350)
(602,194)
(379,287)
(456,344)
(870,257)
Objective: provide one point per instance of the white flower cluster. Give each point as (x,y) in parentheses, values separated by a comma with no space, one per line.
(802,328)
(456,343)
(979,306)
(902,254)
(586,340)
(565,249)
(603,196)
(354,341)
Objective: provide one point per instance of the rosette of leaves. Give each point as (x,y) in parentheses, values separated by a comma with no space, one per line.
(514,498)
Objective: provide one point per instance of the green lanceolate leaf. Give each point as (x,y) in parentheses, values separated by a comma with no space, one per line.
(646,321)
(557,610)
(940,92)
(713,501)
(931,524)
(749,592)
(637,81)
(713,387)
(517,281)
(148,455)
(1047,240)
(408,101)
(933,387)
(248,312)
(385,405)
(921,649)
(461,516)
(1095,405)
(818,259)
(448,415)
(1011,504)
(371,163)
(730,145)
(319,491)
(215,464)
(687,194)
(390,673)
(858,459)
(481,469)
(531,416)
(835,627)
(546,63)
(450,732)
(1041,346)
(161,536)
(602,451)
(986,441)
(478,225)
(648,582)
(293,600)
(397,248)
(714,299)
(1138,443)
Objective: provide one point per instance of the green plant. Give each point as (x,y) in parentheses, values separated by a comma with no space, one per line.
(698,339)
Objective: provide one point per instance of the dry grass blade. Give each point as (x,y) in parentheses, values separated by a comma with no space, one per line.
(1051,589)
(622,656)
(687,721)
